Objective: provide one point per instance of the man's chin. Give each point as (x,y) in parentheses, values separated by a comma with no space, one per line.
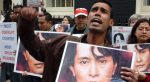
(95,30)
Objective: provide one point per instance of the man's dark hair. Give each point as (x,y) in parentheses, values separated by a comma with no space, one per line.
(48,16)
(108,3)
(104,1)
(107,52)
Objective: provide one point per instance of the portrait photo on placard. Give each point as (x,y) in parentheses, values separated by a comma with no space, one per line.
(90,63)
(142,62)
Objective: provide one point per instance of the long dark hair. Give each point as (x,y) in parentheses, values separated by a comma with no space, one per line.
(71,21)
(132,38)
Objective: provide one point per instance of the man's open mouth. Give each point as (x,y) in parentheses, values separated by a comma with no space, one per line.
(96,20)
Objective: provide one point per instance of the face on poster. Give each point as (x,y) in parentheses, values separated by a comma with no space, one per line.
(90,63)
(142,62)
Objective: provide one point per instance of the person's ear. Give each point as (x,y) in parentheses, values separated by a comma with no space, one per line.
(72,70)
(111,22)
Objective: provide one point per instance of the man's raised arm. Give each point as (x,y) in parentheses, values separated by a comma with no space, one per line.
(26,32)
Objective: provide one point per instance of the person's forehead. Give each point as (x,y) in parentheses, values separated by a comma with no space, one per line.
(41,18)
(82,49)
(86,51)
(144,24)
(65,18)
(101,5)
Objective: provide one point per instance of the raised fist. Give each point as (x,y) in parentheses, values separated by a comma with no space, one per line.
(28,13)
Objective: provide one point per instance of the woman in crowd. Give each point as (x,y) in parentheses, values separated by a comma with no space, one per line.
(67,20)
(141,34)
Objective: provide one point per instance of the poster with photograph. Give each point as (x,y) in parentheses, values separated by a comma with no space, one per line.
(142,61)
(62,27)
(120,35)
(8,41)
(24,61)
(90,63)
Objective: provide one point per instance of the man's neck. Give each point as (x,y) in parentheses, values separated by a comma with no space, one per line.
(96,39)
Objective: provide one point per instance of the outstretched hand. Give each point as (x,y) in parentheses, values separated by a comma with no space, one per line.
(28,13)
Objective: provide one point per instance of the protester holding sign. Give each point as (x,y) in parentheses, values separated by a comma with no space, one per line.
(141,34)
(99,20)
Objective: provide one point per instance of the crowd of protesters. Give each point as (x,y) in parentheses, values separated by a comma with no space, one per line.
(95,25)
